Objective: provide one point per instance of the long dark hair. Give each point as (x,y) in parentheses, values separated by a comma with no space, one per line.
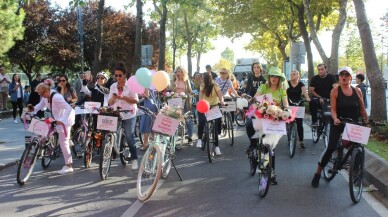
(67,82)
(208,84)
(121,67)
(13,78)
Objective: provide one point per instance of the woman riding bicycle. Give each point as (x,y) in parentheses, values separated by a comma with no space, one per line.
(209,91)
(294,92)
(346,102)
(121,96)
(274,86)
(63,113)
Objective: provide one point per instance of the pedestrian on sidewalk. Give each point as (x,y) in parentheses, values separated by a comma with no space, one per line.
(16,93)
(63,113)
(4,85)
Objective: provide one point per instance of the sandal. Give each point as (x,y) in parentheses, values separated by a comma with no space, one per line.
(143,148)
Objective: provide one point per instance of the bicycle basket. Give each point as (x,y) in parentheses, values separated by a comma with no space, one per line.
(39,127)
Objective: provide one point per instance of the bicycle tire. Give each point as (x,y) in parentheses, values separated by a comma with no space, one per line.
(166,165)
(88,155)
(326,135)
(182,134)
(316,131)
(141,139)
(224,125)
(265,171)
(79,139)
(124,150)
(149,173)
(27,162)
(253,161)
(49,151)
(205,138)
(211,141)
(230,128)
(356,173)
(330,170)
(292,141)
(106,155)
(241,119)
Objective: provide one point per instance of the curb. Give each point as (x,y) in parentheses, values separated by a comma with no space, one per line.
(376,171)
(4,166)
(5,114)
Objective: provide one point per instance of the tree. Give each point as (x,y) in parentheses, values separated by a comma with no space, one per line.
(98,46)
(222,63)
(161,9)
(378,102)
(138,38)
(11,25)
(228,54)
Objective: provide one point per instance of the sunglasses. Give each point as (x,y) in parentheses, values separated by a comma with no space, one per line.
(344,74)
(274,76)
(223,73)
(62,80)
(102,78)
(118,75)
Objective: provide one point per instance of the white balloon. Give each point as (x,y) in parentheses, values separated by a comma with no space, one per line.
(241,103)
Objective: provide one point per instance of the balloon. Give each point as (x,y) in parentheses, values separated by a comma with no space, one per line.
(135,86)
(143,77)
(160,80)
(203,106)
(241,103)
(152,87)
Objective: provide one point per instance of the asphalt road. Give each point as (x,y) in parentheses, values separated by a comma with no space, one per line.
(222,188)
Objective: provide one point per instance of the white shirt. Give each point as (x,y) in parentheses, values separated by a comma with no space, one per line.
(4,83)
(124,105)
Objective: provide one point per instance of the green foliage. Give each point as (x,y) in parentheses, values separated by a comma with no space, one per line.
(222,63)
(11,27)
(228,54)
(353,51)
(378,147)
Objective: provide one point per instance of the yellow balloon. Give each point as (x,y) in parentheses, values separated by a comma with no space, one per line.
(160,80)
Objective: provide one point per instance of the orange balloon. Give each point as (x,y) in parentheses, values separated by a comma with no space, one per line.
(160,80)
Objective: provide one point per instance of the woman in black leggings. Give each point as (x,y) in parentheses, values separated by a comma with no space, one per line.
(16,93)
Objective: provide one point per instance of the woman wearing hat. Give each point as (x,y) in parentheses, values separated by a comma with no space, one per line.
(100,93)
(273,86)
(346,102)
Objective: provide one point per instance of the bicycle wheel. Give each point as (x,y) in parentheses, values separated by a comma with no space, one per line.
(166,165)
(241,119)
(27,162)
(326,135)
(224,125)
(49,152)
(211,146)
(141,139)
(79,140)
(205,137)
(149,173)
(253,161)
(330,170)
(265,170)
(88,155)
(292,141)
(106,155)
(230,128)
(317,131)
(356,175)
(124,150)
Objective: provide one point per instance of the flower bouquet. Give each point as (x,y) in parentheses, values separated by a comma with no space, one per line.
(268,110)
(170,95)
(174,99)
(173,112)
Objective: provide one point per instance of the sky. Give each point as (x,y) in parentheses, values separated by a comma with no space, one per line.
(374,9)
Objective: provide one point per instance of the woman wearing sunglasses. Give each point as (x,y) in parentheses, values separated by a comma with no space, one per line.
(66,90)
(121,96)
(345,102)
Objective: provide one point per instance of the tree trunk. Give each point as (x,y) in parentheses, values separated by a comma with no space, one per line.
(138,38)
(174,35)
(162,38)
(98,46)
(377,82)
(189,45)
(199,62)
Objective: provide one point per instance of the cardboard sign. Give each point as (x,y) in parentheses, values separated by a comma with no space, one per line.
(165,125)
(356,133)
(108,123)
(92,105)
(175,102)
(265,97)
(79,111)
(39,127)
(300,112)
(274,127)
(230,107)
(213,113)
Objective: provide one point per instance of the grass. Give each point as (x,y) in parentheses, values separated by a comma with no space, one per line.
(378,147)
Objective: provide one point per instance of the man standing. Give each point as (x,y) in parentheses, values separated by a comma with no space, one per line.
(320,88)
(4,83)
(209,70)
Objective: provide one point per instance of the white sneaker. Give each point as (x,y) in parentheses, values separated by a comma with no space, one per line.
(199,143)
(218,151)
(134,165)
(65,169)
(15,121)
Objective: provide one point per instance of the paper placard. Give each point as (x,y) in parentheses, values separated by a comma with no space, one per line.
(213,113)
(175,102)
(166,125)
(108,123)
(230,107)
(274,127)
(92,105)
(356,133)
(265,97)
(38,127)
(299,112)
(79,111)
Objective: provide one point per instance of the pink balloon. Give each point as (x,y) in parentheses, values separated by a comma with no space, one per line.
(134,86)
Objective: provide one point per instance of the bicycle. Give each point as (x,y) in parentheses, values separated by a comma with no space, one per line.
(322,125)
(356,153)
(156,162)
(44,145)
(241,118)
(181,132)
(227,123)
(292,133)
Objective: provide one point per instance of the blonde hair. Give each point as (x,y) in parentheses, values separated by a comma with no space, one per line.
(294,70)
(228,73)
(185,76)
(45,85)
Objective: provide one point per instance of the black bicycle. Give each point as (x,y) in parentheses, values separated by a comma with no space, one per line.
(356,154)
(292,133)
(321,127)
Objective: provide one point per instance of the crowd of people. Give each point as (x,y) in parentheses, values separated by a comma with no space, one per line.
(60,96)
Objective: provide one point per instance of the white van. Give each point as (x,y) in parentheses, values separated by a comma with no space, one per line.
(244,65)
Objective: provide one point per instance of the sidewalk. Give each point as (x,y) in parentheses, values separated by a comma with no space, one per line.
(12,146)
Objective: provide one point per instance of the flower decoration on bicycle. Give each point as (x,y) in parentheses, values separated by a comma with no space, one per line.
(173,112)
(170,95)
(174,99)
(270,110)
